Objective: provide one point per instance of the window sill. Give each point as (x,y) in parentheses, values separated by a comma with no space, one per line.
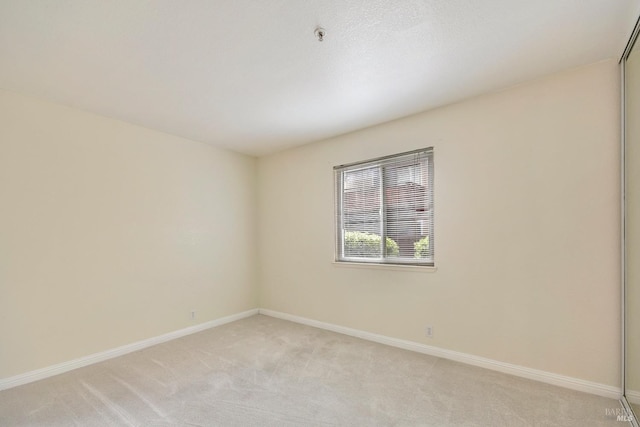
(380,266)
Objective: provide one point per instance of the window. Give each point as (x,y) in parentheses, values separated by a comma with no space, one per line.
(384,210)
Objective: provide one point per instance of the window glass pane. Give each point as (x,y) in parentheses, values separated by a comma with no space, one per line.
(406,209)
(361,207)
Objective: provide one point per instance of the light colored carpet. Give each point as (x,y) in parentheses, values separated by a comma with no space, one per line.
(262,371)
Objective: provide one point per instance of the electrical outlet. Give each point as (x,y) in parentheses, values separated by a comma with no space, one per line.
(428,331)
(193,314)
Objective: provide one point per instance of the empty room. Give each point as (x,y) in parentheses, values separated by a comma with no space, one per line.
(319,213)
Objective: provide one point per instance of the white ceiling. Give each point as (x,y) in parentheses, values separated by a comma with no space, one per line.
(251,76)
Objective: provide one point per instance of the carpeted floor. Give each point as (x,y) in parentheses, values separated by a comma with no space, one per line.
(262,371)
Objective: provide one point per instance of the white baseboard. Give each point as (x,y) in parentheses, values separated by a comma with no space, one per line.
(519,371)
(39,374)
(633,396)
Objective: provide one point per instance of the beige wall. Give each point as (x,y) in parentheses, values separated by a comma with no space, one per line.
(527,229)
(111,233)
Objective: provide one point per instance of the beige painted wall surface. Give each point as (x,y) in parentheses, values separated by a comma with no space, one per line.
(111,233)
(527,229)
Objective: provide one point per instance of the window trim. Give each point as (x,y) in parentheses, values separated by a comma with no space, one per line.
(383,262)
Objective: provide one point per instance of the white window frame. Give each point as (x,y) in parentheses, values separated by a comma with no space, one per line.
(424,157)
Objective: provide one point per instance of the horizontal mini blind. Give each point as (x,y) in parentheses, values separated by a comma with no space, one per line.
(384,209)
